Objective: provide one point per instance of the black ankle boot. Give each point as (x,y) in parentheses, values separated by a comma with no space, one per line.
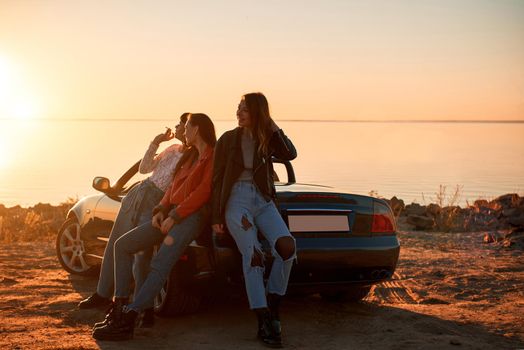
(148,318)
(94,301)
(273,301)
(266,333)
(111,312)
(121,325)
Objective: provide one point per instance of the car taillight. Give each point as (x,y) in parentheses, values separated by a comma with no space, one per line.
(383,220)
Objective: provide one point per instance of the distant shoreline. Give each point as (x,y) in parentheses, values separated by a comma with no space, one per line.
(406,121)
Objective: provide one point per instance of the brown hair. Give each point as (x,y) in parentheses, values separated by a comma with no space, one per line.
(184,116)
(183,119)
(258,108)
(206,130)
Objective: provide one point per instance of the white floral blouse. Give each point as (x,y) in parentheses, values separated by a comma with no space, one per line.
(161,165)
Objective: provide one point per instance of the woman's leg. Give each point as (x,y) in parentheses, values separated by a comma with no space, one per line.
(141,268)
(241,225)
(140,238)
(274,229)
(140,271)
(172,247)
(123,224)
(241,219)
(143,258)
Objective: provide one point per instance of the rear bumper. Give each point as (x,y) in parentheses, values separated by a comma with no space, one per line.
(335,262)
(323,264)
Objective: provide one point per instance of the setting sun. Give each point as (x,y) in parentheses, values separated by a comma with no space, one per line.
(16,98)
(24,108)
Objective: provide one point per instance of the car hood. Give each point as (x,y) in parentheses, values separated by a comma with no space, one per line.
(311,193)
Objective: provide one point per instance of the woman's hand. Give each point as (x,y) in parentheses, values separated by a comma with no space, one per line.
(218,228)
(167,224)
(168,135)
(157,220)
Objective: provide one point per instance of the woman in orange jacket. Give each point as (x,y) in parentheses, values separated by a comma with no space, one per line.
(177,220)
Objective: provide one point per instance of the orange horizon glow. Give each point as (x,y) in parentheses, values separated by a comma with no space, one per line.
(333,61)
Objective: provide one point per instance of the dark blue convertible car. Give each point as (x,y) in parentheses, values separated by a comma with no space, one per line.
(346,243)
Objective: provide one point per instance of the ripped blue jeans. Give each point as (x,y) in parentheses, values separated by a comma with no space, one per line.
(247,212)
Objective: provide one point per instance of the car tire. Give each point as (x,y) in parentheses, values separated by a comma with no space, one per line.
(70,249)
(176,297)
(352,295)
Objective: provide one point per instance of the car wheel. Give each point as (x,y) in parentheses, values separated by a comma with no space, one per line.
(348,295)
(70,249)
(176,297)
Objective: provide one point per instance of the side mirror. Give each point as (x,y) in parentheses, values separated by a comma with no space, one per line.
(101,184)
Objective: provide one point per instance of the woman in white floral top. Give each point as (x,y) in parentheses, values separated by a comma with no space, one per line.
(137,207)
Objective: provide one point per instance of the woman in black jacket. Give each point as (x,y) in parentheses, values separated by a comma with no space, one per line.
(243,199)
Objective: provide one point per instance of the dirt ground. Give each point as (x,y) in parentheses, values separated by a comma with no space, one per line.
(450,292)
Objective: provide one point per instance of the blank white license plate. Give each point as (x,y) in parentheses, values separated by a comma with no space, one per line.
(318,223)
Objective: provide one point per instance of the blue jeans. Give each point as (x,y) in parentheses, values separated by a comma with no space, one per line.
(146,236)
(247,212)
(137,207)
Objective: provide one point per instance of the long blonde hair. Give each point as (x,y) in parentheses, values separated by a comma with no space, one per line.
(258,109)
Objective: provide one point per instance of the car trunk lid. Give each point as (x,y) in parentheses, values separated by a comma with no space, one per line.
(326,214)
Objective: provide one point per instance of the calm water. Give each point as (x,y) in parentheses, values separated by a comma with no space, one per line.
(49,161)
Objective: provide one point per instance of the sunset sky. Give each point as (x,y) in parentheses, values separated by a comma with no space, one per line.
(364,60)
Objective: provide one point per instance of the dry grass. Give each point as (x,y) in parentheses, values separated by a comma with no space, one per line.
(442,199)
(448,218)
(40,222)
(374,194)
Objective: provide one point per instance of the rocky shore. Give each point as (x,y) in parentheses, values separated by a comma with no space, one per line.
(502,219)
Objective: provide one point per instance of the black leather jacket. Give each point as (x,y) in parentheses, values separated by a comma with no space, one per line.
(229,164)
